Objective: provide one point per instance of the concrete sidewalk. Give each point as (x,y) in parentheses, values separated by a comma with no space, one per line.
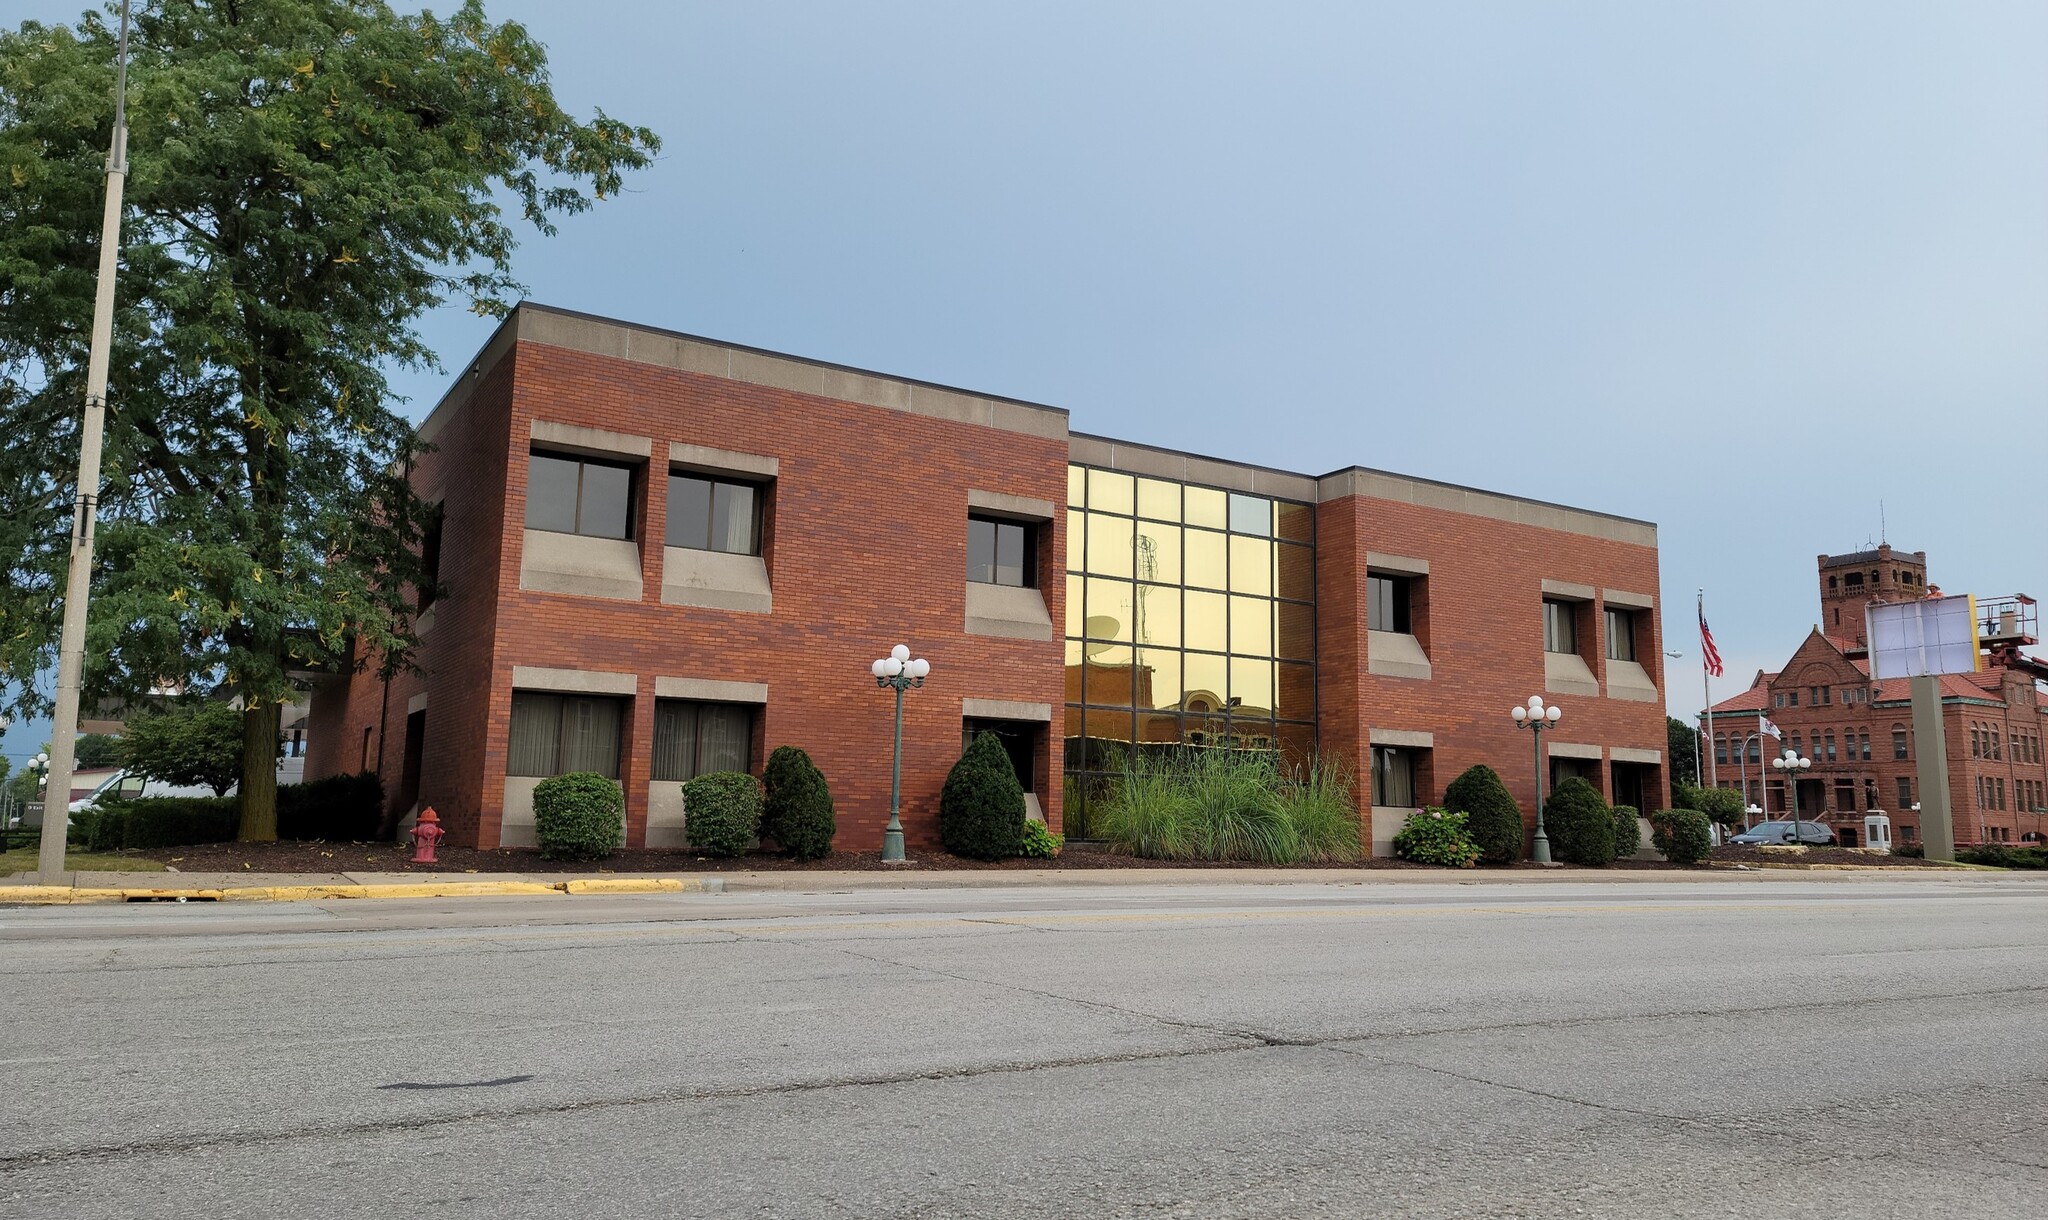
(281,887)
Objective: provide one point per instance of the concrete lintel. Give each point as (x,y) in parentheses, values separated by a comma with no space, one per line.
(1571,749)
(573,681)
(1006,505)
(721,461)
(1005,709)
(1628,601)
(418,703)
(1568,590)
(1633,754)
(590,442)
(1399,565)
(710,690)
(1413,739)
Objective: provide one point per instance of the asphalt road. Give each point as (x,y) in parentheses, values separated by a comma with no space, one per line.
(1774,1049)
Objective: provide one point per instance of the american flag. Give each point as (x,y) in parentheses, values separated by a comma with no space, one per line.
(1710,654)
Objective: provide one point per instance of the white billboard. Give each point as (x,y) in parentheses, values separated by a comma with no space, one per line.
(1930,635)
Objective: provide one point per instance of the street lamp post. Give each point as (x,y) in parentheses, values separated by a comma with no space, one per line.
(1537,718)
(898,671)
(1742,768)
(1792,765)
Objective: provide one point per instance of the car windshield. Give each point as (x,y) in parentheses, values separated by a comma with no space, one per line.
(1770,828)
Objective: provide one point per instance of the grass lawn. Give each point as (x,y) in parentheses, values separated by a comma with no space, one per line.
(23,860)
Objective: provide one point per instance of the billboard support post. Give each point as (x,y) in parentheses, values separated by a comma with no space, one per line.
(1937,826)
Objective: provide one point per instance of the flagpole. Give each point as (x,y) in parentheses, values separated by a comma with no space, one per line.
(1706,692)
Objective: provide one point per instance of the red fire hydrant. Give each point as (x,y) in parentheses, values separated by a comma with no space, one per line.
(424,835)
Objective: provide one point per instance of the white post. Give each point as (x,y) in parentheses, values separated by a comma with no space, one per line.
(78,581)
(1706,692)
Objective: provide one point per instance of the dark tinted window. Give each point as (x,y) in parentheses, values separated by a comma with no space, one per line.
(1387,606)
(573,496)
(707,514)
(999,552)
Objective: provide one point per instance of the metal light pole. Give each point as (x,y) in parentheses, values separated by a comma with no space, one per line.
(1742,770)
(1792,765)
(78,581)
(1537,718)
(899,672)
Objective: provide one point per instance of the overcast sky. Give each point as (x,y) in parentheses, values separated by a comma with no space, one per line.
(1744,270)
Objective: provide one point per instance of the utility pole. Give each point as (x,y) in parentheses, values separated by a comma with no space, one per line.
(78,581)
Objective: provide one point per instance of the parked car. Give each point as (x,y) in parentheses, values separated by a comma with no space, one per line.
(1812,834)
(130,787)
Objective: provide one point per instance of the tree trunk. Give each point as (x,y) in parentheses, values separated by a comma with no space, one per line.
(259,773)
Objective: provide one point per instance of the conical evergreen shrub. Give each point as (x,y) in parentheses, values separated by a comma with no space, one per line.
(1491,815)
(981,808)
(1580,827)
(797,811)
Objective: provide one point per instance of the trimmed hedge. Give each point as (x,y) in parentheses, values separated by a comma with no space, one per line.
(1909,851)
(1491,815)
(797,810)
(162,821)
(338,809)
(722,812)
(981,808)
(1723,805)
(1628,833)
(1436,836)
(1998,855)
(1580,827)
(578,816)
(1683,835)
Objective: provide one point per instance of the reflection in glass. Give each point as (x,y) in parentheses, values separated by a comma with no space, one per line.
(1109,545)
(1203,682)
(1251,627)
(1251,684)
(1297,688)
(1207,621)
(1296,521)
(1073,604)
(1159,678)
(1158,500)
(1251,515)
(1158,727)
(1206,506)
(1110,677)
(1110,492)
(1251,566)
(1077,541)
(1077,486)
(1203,559)
(1109,610)
(1159,552)
(1297,566)
(1157,616)
(1296,634)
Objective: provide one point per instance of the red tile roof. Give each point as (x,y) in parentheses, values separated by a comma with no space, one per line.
(1756,699)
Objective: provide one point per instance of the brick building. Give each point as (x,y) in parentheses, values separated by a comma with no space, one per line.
(1080,596)
(1859,733)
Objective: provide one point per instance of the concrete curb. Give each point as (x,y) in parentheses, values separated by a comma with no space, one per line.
(63,895)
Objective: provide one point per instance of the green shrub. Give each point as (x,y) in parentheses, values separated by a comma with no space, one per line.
(1147,812)
(1723,805)
(1437,836)
(1998,855)
(797,809)
(168,821)
(1316,801)
(1628,833)
(981,807)
(338,809)
(1580,828)
(1909,851)
(1040,843)
(578,816)
(1491,815)
(1682,835)
(722,812)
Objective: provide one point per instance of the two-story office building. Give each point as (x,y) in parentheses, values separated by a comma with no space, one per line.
(661,555)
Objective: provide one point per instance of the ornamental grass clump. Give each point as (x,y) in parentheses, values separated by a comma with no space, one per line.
(722,813)
(578,816)
(1437,836)
(1491,815)
(1234,808)
(1316,801)
(1147,812)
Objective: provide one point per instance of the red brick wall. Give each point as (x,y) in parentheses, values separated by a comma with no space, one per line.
(1485,640)
(868,521)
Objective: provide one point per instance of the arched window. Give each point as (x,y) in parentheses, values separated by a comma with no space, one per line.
(1756,748)
(1720,750)
(1899,749)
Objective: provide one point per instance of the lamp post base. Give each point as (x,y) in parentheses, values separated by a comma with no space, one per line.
(1539,851)
(892,844)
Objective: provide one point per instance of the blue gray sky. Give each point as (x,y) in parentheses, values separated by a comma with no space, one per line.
(1743,269)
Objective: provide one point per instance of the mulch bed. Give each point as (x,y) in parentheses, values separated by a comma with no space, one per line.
(316,857)
(1739,854)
